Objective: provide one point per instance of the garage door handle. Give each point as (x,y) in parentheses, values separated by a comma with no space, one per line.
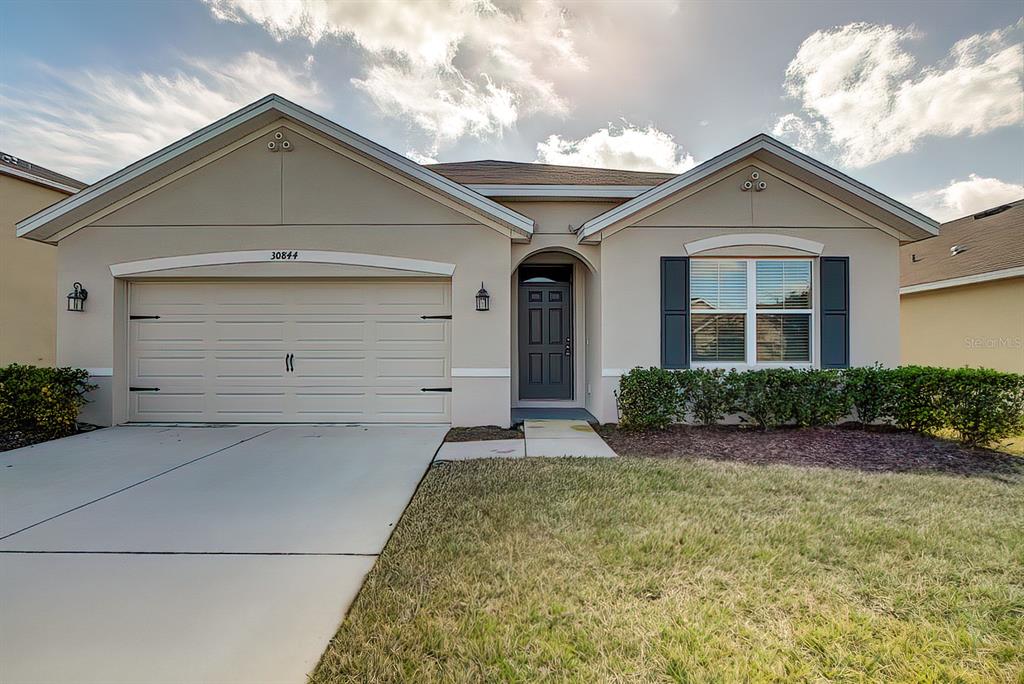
(435,389)
(143,389)
(289,363)
(446,317)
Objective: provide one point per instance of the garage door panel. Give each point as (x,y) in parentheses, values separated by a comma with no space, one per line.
(330,367)
(361,351)
(161,366)
(408,332)
(245,368)
(412,367)
(250,404)
(168,405)
(334,330)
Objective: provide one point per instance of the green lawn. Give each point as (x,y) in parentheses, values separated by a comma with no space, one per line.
(692,571)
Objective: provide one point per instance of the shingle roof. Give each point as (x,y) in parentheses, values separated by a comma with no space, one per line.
(989,241)
(489,171)
(34,173)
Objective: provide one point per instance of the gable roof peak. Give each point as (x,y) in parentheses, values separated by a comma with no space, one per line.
(53,220)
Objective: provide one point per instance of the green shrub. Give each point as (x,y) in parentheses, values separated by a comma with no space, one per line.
(649,398)
(818,397)
(765,397)
(982,406)
(870,390)
(916,397)
(707,393)
(42,401)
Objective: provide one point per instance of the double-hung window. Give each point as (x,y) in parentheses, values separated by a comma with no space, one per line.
(750,311)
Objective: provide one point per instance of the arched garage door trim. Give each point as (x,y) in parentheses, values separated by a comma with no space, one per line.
(133,268)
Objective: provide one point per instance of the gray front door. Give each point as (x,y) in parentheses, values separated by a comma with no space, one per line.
(545,341)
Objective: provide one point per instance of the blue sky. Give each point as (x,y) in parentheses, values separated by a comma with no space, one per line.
(923,101)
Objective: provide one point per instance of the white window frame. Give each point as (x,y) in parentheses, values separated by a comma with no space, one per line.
(750,319)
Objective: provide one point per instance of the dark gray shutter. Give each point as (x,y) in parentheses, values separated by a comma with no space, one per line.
(675,312)
(835,312)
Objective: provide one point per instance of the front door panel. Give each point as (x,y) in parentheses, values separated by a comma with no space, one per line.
(545,342)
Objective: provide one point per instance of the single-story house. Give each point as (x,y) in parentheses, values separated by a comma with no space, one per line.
(275,266)
(28,270)
(962,293)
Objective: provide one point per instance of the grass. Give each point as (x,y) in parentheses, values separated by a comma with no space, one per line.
(692,571)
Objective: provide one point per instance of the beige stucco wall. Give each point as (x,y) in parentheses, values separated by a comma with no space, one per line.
(317,202)
(630,270)
(28,282)
(978,325)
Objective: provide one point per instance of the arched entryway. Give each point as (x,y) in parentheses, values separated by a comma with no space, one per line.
(552,331)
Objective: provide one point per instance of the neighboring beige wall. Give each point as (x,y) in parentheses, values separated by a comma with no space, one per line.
(331,204)
(978,325)
(28,283)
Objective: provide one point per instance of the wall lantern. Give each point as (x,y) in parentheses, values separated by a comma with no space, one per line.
(77,297)
(483,300)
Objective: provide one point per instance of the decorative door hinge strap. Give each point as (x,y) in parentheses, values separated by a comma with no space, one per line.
(139,318)
(446,317)
(143,389)
(435,389)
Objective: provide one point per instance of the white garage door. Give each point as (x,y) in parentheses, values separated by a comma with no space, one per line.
(292,351)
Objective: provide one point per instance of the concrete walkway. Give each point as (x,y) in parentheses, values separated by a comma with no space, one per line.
(543,438)
(564,438)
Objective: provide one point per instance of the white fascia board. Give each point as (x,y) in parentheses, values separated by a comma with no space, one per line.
(740,152)
(514,220)
(560,191)
(1015,272)
(38,180)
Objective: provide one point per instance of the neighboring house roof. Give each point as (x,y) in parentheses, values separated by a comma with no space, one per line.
(985,246)
(493,172)
(51,223)
(910,224)
(17,167)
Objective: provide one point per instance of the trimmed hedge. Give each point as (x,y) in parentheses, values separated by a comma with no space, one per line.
(980,406)
(42,401)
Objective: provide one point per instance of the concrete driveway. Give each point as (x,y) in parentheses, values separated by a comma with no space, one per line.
(193,554)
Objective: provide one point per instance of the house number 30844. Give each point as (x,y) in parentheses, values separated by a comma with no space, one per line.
(278,256)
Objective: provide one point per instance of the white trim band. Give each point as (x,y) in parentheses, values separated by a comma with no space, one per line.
(1014,272)
(100,372)
(481,372)
(753,240)
(260,256)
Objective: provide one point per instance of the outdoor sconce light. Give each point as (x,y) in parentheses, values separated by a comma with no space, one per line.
(483,300)
(77,297)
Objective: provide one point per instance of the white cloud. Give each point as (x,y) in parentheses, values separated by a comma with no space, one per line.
(964,197)
(87,124)
(450,68)
(863,93)
(623,147)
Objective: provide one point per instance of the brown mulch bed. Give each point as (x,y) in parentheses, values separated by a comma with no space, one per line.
(15,439)
(481,433)
(853,448)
